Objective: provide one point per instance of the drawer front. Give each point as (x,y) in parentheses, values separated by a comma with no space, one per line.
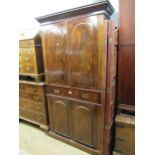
(27,51)
(28,59)
(26,43)
(33,116)
(31,88)
(74,93)
(29,69)
(32,97)
(32,105)
(124,132)
(125,139)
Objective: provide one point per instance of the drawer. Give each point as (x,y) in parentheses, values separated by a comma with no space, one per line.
(27,51)
(125,139)
(31,88)
(74,93)
(26,43)
(124,132)
(32,105)
(29,69)
(28,59)
(33,116)
(88,96)
(32,97)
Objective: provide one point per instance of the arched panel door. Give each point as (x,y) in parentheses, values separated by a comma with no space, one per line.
(83,122)
(83,46)
(55,53)
(59,115)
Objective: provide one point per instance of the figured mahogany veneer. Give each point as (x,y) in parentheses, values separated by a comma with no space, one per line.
(79,51)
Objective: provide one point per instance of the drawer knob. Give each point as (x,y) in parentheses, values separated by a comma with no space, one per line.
(36,97)
(27,59)
(57,44)
(28,68)
(56,91)
(70,92)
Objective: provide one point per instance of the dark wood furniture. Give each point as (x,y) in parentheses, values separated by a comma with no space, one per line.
(32,103)
(30,55)
(125,135)
(126,56)
(80,69)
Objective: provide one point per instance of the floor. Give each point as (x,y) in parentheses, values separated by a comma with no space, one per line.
(33,141)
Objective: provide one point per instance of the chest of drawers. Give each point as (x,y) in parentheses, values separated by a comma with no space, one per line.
(125,135)
(30,54)
(32,103)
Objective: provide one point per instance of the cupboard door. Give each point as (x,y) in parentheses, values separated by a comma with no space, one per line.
(55,53)
(83,51)
(59,115)
(83,123)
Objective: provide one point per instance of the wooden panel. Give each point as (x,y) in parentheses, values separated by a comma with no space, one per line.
(31,88)
(126,56)
(26,43)
(32,105)
(27,60)
(125,140)
(55,53)
(83,119)
(27,51)
(59,115)
(127,22)
(33,97)
(126,75)
(33,116)
(83,51)
(74,93)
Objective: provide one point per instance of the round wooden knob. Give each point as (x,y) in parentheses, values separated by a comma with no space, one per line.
(70,92)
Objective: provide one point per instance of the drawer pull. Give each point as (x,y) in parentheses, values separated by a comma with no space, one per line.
(36,97)
(120,139)
(37,107)
(32,89)
(70,92)
(56,91)
(85,96)
(28,68)
(27,59)
(38,118)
